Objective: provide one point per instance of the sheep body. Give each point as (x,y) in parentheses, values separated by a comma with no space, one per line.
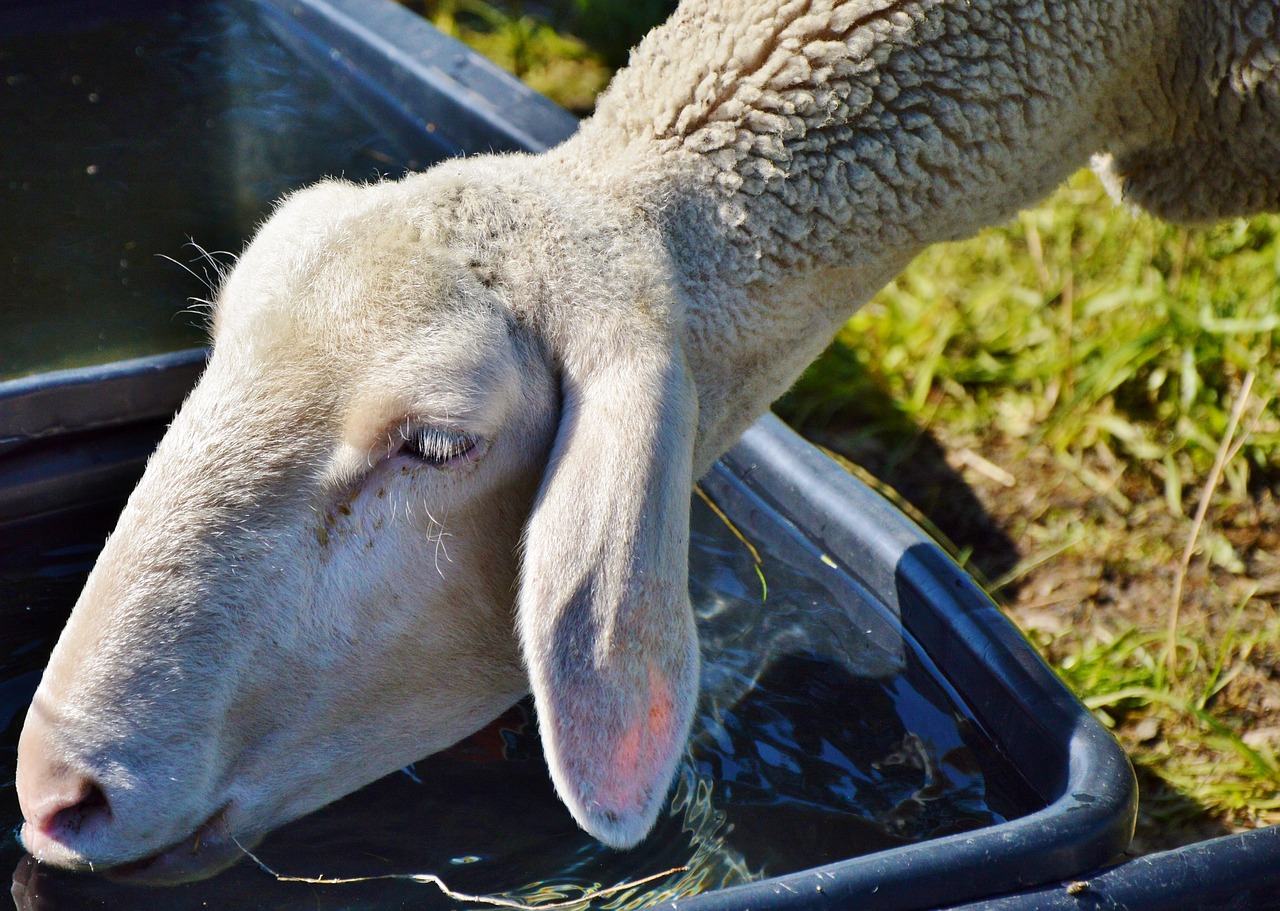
(601,322)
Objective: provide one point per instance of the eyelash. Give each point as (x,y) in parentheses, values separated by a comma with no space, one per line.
(437,448)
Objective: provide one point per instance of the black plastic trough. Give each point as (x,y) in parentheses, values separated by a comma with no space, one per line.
(82,435)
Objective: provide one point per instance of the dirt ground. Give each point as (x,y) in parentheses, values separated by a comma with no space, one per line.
(1073,561)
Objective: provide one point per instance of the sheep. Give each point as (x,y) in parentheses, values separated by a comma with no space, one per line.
(443,451)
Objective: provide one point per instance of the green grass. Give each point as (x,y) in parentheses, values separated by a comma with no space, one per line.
(1175,730)
(1095,356)
(1083,326)
(1107,349)
(565,49)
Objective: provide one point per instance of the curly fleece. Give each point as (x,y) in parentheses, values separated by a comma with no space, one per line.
(796,155)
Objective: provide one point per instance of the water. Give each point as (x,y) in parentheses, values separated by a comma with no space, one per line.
(822,734)
(129,134)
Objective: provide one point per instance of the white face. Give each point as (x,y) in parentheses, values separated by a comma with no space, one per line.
(441,456)
(314,582)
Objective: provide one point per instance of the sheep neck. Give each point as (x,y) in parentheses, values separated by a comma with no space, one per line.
(796,156)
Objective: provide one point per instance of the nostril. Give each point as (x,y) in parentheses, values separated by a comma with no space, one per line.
(68,813)
(65,805)
(90,808)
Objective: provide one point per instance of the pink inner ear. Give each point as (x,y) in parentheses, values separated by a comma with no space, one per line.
(641,750)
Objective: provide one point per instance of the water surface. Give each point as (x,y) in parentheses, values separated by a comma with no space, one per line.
(135,131)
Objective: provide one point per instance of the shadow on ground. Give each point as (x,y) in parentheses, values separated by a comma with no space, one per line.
(840,405)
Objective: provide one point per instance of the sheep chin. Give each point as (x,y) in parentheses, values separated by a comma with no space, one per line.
(208,851)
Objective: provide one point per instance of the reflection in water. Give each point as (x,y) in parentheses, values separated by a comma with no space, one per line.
(130,135)
(821,735)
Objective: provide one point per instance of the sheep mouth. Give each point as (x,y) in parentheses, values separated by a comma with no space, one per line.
(209,850)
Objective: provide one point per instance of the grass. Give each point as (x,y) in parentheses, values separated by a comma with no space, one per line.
(1114,368)
(567,50)
(1197,765)
(1083,327)
(1083,402)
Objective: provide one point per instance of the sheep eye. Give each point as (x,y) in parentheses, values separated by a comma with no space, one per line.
(436,447)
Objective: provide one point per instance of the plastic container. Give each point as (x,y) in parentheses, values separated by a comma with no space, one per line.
(82,436)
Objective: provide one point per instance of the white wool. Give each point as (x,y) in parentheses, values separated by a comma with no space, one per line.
(798,154)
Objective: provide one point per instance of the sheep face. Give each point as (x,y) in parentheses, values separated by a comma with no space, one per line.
(314,582)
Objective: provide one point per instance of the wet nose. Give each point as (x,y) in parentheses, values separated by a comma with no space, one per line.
(62,806)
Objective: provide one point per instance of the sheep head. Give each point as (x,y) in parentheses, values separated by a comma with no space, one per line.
(409,484)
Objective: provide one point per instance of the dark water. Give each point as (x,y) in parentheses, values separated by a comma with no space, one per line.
(131,129)
(822,735)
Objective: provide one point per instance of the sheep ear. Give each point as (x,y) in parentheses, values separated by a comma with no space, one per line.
(604,616)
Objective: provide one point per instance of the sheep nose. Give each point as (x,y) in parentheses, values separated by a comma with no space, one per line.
(62,807)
